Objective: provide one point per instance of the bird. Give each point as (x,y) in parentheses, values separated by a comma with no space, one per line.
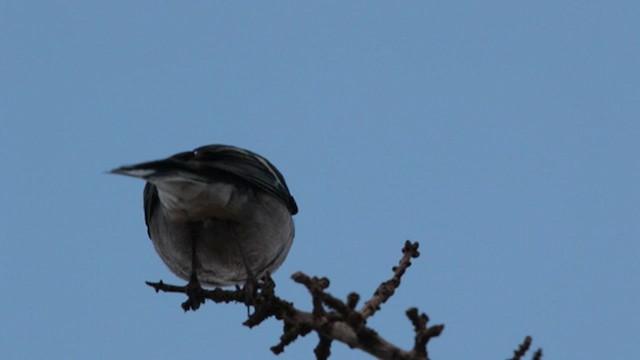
(218,215)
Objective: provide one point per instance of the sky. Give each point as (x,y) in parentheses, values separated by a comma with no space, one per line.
(502,136)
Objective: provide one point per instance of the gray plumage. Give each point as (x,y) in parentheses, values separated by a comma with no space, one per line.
(217,210)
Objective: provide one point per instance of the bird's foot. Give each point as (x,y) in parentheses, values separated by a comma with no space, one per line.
(250,289)
(195,294)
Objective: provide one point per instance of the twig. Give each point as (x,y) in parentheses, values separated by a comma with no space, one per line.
(523,348)
(387,288)
(331,318)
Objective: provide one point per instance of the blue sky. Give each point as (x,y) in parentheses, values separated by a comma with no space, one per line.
(503,136)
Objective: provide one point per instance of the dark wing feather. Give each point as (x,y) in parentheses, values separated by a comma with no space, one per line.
(214,163)
(244,164)
(150,203)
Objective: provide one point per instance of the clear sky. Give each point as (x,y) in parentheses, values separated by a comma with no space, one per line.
(503,136)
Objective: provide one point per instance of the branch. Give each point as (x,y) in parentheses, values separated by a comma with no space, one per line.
(331,318)
(523,348)
(387,288)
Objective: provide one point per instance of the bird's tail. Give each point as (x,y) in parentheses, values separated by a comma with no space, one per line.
(157,169)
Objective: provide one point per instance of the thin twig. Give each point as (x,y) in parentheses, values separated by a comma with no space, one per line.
(387,288)
(332,318)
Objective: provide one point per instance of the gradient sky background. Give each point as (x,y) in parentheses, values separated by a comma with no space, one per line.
(503,136)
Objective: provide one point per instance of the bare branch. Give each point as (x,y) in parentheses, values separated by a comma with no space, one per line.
(423,332)
(537,355)
(523,348)
(331,318)
(387,288)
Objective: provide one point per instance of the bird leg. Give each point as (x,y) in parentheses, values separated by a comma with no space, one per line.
(251,285)
(194,290)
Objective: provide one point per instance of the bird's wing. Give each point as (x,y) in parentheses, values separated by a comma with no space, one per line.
(212,163)
(244,164)
(150,200)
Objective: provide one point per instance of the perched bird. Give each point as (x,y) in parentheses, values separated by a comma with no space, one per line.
(218,215)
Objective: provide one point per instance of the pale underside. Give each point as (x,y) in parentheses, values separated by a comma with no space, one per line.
(225,222)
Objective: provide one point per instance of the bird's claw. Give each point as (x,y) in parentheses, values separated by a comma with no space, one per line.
(195,294)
